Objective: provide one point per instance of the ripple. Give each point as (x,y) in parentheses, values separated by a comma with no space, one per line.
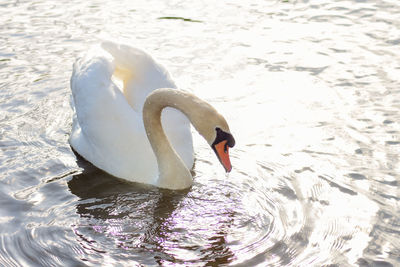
(180,18)
(218,222)
(310,91)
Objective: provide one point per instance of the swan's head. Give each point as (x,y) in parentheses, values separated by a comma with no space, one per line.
(222,142)
(214,128)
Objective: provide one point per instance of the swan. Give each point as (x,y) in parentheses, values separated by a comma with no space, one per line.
(140,131)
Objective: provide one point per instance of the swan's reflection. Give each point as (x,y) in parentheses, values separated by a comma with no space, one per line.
(149,223)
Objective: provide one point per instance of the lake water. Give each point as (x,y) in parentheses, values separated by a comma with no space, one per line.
(311,92)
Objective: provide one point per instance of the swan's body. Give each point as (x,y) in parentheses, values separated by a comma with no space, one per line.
(108,128)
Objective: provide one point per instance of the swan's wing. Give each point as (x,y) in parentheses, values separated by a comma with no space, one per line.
(128,57)
(96,98)
(140,73)
(107,131)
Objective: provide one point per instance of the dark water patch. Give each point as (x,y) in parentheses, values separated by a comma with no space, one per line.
(357,176)
(322,124)
(373,263)
(337,50)
(393,42)
(180,18)
(304,169)
(287,192)
(345,84)
(266,168)
(387,196)
(257,61)
(336,185)
(313,71)
(326,18)
(316,152)
(390,183)
(388,122)
(392,142)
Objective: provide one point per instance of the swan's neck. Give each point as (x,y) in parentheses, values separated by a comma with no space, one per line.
(173,174)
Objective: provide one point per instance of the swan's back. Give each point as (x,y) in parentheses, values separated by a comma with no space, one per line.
(108,128)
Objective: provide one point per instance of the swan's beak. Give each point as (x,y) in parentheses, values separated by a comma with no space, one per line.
(222,151)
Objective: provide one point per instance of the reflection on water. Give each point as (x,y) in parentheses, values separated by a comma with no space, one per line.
(158,226)
(310,89)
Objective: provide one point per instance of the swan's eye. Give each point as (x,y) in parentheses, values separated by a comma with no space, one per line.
(221,135)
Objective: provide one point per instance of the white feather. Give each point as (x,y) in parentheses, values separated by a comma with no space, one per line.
(108,127)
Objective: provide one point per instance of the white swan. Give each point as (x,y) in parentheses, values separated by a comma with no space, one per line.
(154,146)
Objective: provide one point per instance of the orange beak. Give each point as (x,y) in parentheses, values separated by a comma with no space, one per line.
(222,151)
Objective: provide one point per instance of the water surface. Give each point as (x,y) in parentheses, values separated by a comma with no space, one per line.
(311,92)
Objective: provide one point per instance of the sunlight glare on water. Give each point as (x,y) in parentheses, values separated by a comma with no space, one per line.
(310,90)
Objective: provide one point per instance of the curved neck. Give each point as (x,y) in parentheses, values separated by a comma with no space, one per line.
(173,174)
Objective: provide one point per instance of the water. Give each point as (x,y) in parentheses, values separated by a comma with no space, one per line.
(311,92)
